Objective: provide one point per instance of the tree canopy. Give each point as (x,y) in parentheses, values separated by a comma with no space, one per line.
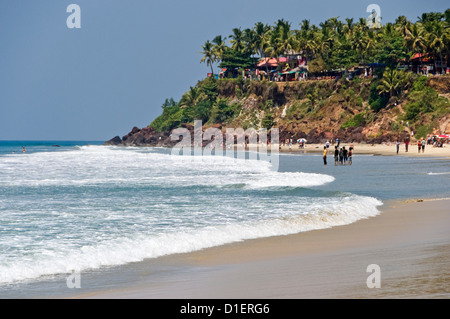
(334,43)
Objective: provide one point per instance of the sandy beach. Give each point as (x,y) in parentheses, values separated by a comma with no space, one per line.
(409,241)
(376,149)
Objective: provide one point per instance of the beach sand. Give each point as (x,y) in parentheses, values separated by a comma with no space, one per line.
(376,149)
(409,241)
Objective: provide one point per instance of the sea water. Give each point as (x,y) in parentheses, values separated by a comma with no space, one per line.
(84,207)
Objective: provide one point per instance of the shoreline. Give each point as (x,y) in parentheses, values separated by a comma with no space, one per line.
(359,149)
(409,240)
(376,149)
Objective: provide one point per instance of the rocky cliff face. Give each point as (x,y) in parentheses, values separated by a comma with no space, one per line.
(315,110)
(142,137)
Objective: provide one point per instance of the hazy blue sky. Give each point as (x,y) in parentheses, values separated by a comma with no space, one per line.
(115,72)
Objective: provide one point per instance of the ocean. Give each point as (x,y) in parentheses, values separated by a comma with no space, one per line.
(82,208)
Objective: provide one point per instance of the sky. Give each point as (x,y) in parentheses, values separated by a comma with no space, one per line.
(114,72)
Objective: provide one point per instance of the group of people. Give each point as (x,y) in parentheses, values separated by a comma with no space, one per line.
(342,156)
(420,145)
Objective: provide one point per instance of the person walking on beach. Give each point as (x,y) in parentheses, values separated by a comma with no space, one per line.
(336,156)
(406,144)
(350,156)
(398,146)
(419,145)
(324,155)
(423,144)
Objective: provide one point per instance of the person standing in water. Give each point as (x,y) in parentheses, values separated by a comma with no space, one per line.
(336,156)
(350,155)
(341,157)
(23,149)
(324,155)
(345,154)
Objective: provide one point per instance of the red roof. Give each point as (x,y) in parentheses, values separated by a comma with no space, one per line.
(420,55)
(271,62)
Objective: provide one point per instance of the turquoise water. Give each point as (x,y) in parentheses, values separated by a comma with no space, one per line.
(81,206)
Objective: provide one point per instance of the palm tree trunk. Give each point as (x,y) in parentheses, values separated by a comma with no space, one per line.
(434,59)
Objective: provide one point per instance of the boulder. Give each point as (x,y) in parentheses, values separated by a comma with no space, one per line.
(114,141)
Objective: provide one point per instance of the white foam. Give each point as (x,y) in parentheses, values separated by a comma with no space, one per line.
(39,244)
(443,173)
(93,165)
(325,214)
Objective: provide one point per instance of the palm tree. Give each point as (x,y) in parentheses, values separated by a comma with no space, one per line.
(392,81)
(415,40)
(219,47)
(192,97)
(305,25)
(359,43)
(362,24)
(371,41)
(286,39)
(250,41)
(349,26)
(403,25)
(237,40)
(438,39)
(261,37)
(209,55)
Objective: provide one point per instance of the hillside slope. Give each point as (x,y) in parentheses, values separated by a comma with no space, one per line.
(318,110)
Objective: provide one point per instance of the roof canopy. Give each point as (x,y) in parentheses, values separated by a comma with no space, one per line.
(271,62)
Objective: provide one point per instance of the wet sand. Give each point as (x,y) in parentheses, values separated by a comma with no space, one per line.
(409,241)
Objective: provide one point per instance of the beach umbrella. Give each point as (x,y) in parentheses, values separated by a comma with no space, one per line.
(444,136)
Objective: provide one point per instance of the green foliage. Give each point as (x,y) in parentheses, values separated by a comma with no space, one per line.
(203,111)
(268,106)
(355,121)
(421,102)
(297,111)
(268,121)
(423,131)
(395,126)
(171,117)
(168,103)
(223,112)
(234,59)
(390,48)
(377,101)
(393,82)
(317,65)
(419,84)
(208,87)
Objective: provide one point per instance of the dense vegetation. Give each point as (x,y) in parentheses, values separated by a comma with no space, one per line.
(334,44)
